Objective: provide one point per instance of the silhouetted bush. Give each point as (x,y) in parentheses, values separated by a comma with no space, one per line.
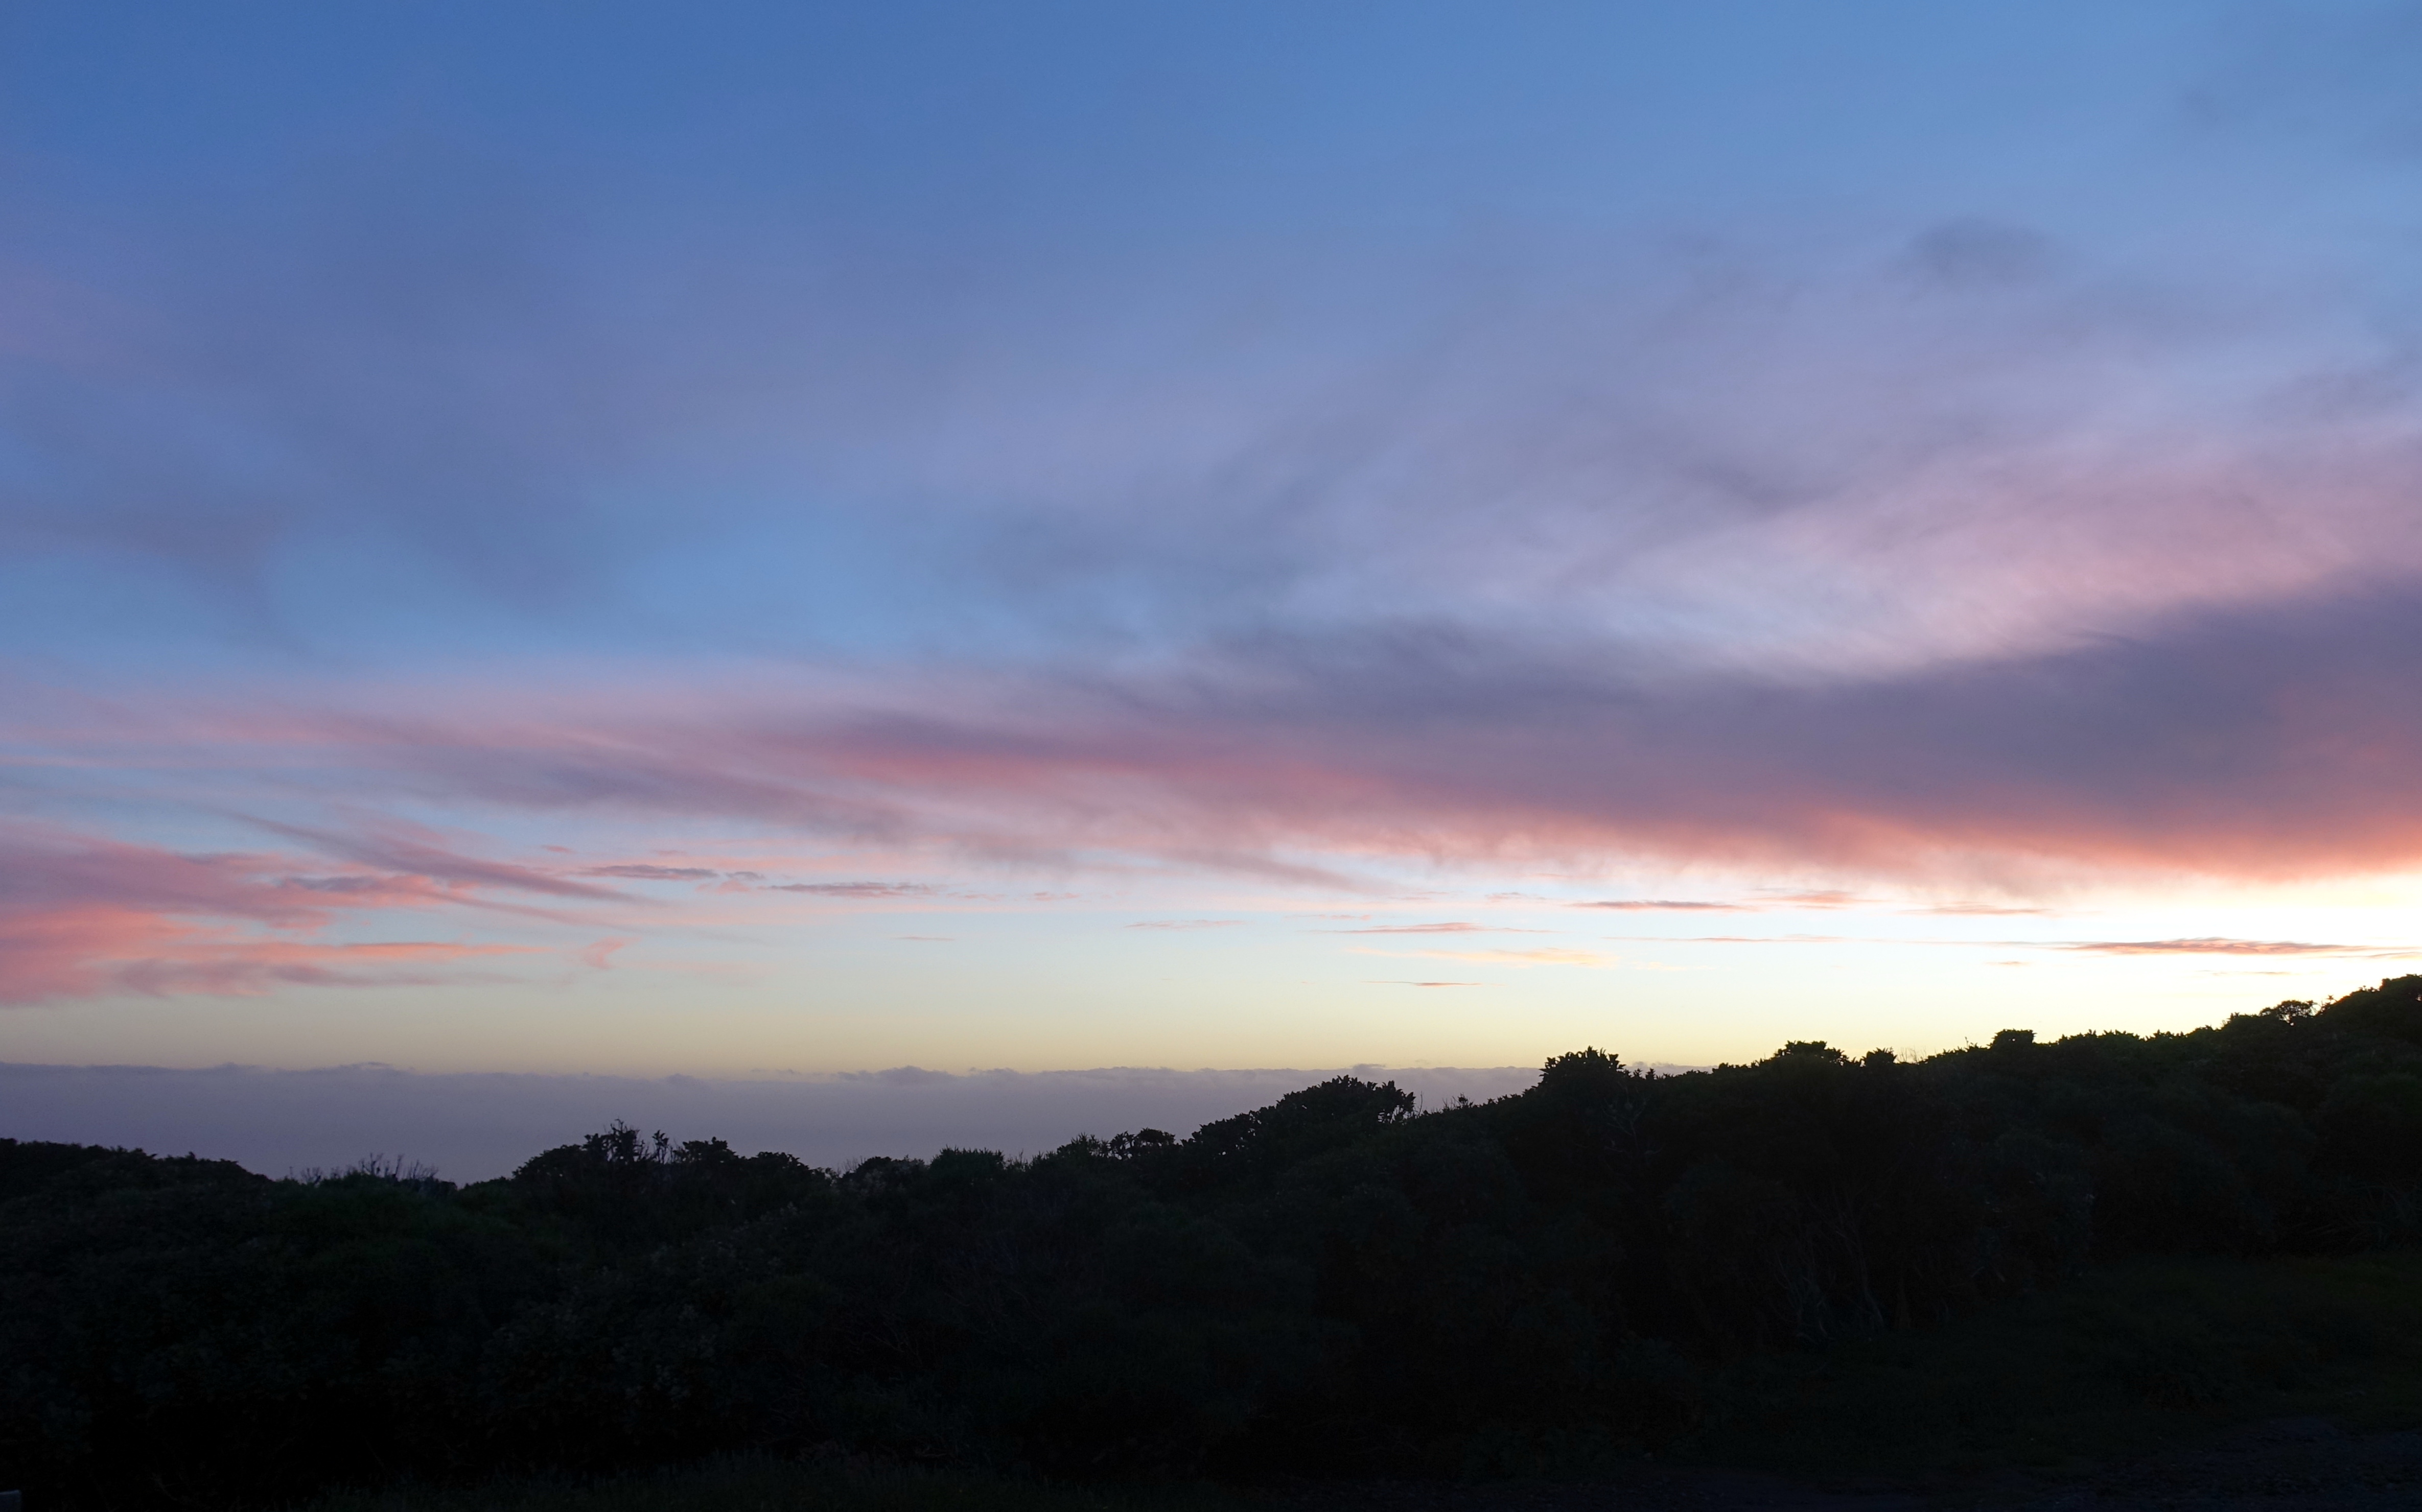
(1331,1283)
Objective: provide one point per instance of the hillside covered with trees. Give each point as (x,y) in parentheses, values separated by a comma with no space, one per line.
(1333,1284)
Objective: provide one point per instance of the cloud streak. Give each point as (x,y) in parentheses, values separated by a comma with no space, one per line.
(2210,945)
(1438,928)
(2254,744)
(1668,905)
(82,916)
(1544,956)
(634,872)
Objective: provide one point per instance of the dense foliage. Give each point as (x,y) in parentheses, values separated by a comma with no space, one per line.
(1331,1283)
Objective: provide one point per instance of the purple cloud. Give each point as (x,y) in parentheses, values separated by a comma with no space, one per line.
(2251,744)
(634,871)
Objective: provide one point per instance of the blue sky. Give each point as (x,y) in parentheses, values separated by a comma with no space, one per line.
(800,539)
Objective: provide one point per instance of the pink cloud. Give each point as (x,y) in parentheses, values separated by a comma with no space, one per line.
(2257,746)
(599,957)
(82,915)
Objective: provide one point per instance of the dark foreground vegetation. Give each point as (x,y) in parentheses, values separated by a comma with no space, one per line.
(2267,1381)
(1761,1262)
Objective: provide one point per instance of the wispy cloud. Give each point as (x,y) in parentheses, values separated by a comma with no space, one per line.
(1979,911)
(1438,928)
(390,848)
(1771,902)
(2084,763)
(636,871)
(1771,940)
(1828,897)
(2197,945)
(1667,905)
(1545,955)
(1186,924)
(193,962)
(82,915)
(600,956)
(2215,945)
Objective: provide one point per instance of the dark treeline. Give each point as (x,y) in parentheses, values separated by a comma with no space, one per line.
(1333,1283)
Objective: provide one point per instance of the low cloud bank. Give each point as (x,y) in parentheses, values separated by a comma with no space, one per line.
(474,1125)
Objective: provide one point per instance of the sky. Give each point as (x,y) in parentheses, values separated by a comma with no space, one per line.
(774,541)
